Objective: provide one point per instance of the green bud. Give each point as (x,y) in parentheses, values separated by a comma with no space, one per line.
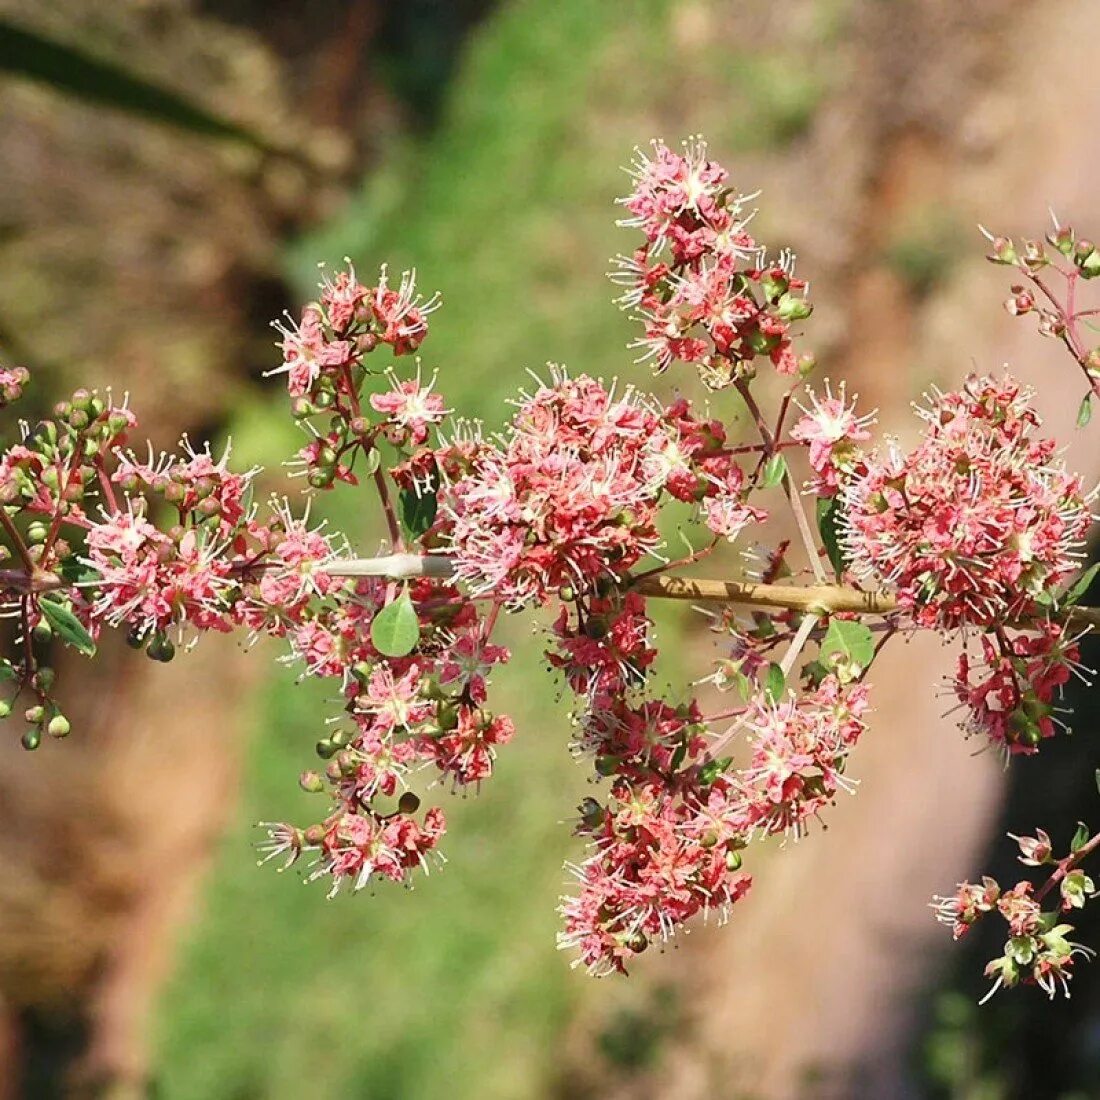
(31,739)
(311,783)
(5,708)
(161,649)
(792,308)
(607,765)
(59,726)
(325,748)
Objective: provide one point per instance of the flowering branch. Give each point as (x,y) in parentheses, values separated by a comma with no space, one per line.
(976,534)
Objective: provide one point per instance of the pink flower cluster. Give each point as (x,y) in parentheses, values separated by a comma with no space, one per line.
(1009,694)
(978,522)
(700,285)
(1037,951)
(570,495)
(799,749)
(325,361)
(426,709)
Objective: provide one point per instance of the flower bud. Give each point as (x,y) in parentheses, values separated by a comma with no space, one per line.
(408,803)
(31,739)
(58,726)
(161,649)
(1062,239)
(1003,252)
(311,782)
(34,714)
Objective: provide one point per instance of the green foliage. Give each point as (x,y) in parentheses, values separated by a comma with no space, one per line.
(828,526)
(852,641)
(395,630)
(67,626)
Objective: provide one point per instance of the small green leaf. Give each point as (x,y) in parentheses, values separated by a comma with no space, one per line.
(775,469)
(678,756)
(67,626)
(1084,410)
(712,769)
(395,630)
(851,640)
(774,682)
(828,525)
(418,510)
(1080,838)
(1080,587)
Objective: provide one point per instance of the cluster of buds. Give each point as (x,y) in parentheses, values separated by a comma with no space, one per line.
(1071,259)
(977,531)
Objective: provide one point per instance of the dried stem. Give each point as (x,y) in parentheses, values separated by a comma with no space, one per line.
(818,599)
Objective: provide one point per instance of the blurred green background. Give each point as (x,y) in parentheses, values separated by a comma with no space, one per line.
(175,171)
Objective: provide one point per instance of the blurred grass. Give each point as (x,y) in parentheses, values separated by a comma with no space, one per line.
(506,209)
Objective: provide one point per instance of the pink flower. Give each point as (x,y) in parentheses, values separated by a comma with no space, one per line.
(411,408)
(833,431)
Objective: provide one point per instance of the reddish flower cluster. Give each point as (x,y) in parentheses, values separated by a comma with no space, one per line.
(569,496)
(978,522)
(700,284)
(799,753)
(1009,695)
(1037,951)
(324,359)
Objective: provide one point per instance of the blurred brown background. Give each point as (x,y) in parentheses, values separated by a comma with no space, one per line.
(141,953)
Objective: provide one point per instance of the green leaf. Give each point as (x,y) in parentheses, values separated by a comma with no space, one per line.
(828,525)
(1084,410)
(395,630)
(418,512)
(1080,838)
(71,69)
(712,769)
(775,469)
(67,626)
(1080,587)
(851,640)
(774,682)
